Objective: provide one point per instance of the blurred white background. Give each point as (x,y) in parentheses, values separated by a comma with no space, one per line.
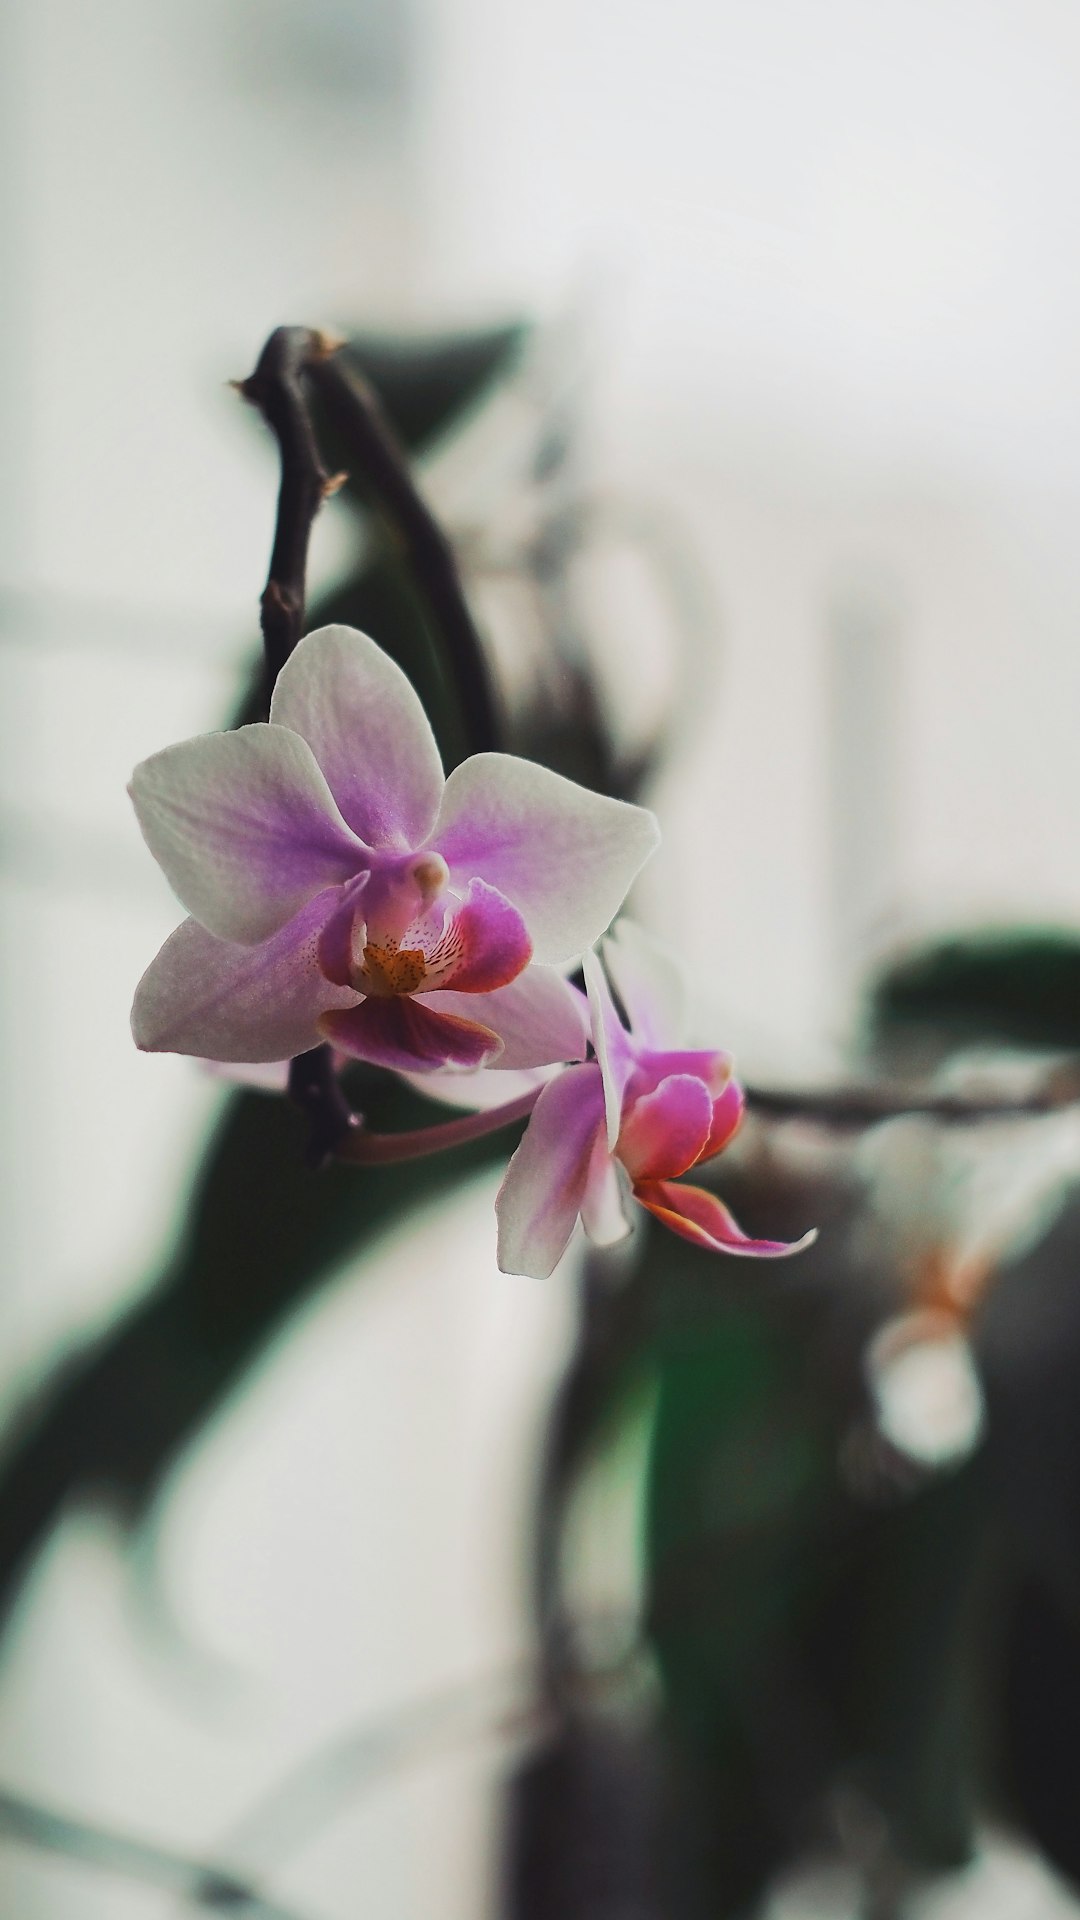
(835,250)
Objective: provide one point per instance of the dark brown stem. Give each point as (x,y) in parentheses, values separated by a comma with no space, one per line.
(381,465)
(276,388)
(852,1107)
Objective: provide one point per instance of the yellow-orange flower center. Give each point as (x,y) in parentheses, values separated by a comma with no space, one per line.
(389,969)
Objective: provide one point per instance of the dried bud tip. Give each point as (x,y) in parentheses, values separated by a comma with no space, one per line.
(333,485)
(325,344)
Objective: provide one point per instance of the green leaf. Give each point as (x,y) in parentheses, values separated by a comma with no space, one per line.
(262,1234)
(1019,984)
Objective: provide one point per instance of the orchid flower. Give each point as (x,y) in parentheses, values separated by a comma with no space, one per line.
(625,1123)
(340,889)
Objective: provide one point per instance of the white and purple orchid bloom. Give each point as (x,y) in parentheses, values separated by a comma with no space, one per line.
(626,1124)
(341,889)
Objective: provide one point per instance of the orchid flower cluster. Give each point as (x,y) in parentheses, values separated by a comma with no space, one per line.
(341,890)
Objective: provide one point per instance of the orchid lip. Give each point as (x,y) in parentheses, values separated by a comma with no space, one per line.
(387,970)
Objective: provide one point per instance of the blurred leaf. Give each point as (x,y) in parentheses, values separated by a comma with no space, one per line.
(1042,1723)
(427,385)
(806,1639)
(1020,985)
(426,388)
(582,1834)
(1029,1346)
(262,1233)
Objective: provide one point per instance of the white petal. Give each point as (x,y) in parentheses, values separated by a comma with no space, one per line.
(225,1002)
(481,1089)
(245,828)
(365,725)
(541,1196)
(648,981)
(604,1207)
(539,1017)
(610,1043)
(563,856)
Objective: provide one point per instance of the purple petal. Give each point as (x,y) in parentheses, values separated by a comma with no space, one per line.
(407,1035)
(486,942)
(226,1002)
(564,856)
(338,941)
(245,828)
(700,1217)
(541,1196)
(539,1017)
(648,981)
(611,1043)
(665,1132)
(368,732)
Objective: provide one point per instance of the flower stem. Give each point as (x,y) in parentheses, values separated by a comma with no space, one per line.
(381,464)
(366,1149)
(853,1107)
(276,388)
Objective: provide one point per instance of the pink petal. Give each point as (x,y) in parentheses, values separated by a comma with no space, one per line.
(487,941)
(664,1132)
(539,1017)
(611,1043)
(564,856)
(727,1117)
(368,731)
(541,1196)
(699,1216)
(225,1002)
(648,981)
(405,1034)
(712,1067)
(245,828)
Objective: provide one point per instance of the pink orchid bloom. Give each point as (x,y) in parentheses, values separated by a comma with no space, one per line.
(340,889)
(630,1121)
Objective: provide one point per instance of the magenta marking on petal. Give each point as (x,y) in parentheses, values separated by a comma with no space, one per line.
(663,1133)
(399,1032)
(700,1217)
(484,945)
